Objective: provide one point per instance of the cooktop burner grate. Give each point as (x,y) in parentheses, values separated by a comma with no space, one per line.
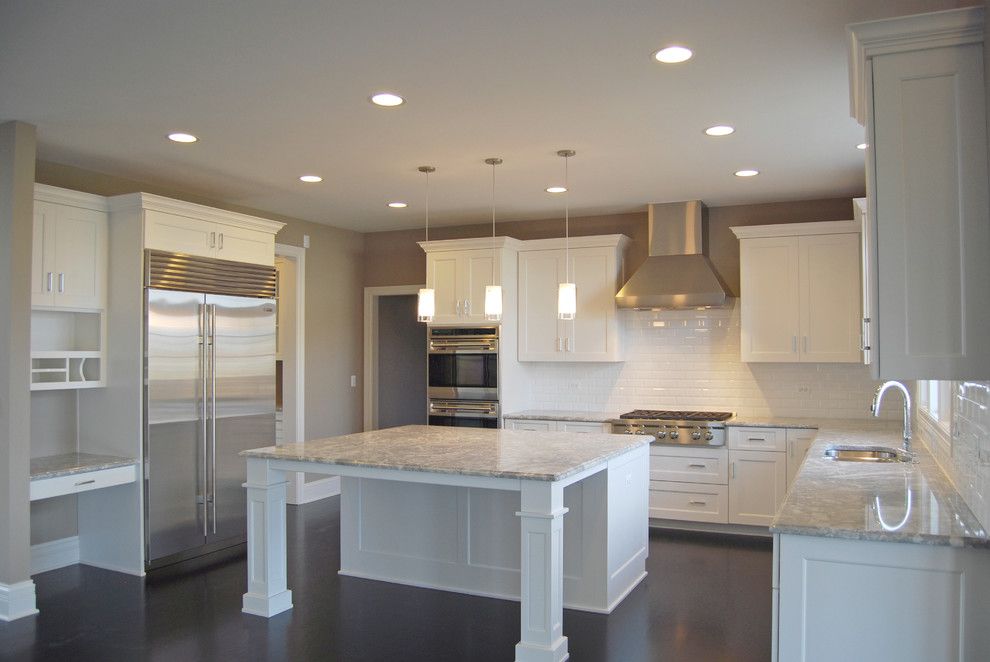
(667,415)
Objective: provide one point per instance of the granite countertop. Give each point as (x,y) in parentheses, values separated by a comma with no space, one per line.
(561,415)
(519,454)
(896,501)
(740,421)
(68,464)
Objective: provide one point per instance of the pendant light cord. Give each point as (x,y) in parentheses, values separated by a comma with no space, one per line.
(427,208)
(493,221)
(567,223)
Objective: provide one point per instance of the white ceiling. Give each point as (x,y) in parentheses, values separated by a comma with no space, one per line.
(276,90)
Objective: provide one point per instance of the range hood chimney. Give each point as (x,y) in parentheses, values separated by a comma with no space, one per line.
(677,273)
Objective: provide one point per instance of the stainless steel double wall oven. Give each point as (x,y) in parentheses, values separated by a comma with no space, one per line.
(463,376)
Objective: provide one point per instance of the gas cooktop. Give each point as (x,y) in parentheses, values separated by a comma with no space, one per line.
(668,415)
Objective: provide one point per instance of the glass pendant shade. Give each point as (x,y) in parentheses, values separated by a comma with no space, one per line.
(427,305)
(566,301)
(493,303)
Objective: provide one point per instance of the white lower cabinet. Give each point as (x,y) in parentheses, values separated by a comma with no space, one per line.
(695,502)
(757,483)
(555,426)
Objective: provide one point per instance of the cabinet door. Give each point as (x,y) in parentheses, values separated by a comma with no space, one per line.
(868,278)
(245,245)
(798,443)
(179,234)
(830,304)
(593,333)
(931,200)
(78,245)
(477,274)
(757,484)
(42,267)
(583,427)
(535,426)
(443,275)
(539,274)
(769,299)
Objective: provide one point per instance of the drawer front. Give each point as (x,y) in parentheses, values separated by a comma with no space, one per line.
(757,439)
(701,466)
(535,426)
(689,501)
(583,426)
(91,480)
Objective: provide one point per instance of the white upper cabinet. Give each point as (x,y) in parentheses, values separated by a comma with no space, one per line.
(459,270)
(69,250)
(918,86)
(595,267)
(182,227)
(800,292)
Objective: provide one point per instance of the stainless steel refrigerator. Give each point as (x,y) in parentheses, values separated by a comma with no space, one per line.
(209,394)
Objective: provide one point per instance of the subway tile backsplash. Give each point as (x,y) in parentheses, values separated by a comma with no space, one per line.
(690,360)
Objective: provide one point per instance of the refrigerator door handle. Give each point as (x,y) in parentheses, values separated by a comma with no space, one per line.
(203,358)
(213,414)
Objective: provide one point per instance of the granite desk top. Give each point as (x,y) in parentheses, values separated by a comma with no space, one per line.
(561,415)
(896,501)
(519,454)
(69,464)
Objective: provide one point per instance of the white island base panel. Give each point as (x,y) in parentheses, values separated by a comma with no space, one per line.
(468,539)
(608,547)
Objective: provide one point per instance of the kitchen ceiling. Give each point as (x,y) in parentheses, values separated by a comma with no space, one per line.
(275,91)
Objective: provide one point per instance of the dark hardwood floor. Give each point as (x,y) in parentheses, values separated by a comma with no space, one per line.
(707,598)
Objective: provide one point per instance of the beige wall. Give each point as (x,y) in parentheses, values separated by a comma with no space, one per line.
(393,258)
(334,296)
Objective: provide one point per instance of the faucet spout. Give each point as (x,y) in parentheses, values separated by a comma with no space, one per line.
(878,398)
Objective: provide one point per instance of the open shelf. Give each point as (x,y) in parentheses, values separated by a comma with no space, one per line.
(66,349)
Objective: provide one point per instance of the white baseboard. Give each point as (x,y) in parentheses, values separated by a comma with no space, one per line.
(17,600)
(55,554)
(135,572)
(301,492)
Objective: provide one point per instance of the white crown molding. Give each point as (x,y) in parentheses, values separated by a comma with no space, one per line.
(953,27)
(17,600)
(192,210)
(436,246)
(593,241)
(64,196)
(795,229)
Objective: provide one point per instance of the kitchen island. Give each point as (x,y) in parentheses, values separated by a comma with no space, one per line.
(470,510)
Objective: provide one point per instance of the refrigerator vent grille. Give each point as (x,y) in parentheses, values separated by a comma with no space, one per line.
(190,273)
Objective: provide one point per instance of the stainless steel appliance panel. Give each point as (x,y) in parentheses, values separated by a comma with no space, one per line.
(242,397)
(175,433)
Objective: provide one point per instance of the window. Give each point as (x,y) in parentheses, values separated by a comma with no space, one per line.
(935,401)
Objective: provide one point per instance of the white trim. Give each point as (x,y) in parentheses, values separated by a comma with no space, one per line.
(64,196)
(296,491)
(952,27)
(470,244)
(17,600)
(591,241)
(54,554)
(371,295)
(315,490)
(146,201)
(796,229)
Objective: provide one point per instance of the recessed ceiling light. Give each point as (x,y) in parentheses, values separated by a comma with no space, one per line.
(182,137)
(556,189)
(397,205)
(862,146)
(673,54)
(719,130)
(311,179)
(387,99)
(746,173)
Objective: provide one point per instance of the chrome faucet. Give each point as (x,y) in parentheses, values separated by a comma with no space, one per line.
(878,397)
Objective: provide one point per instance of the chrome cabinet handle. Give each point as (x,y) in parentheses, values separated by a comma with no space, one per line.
(213,407)
(757,439)
(61,282)
(567,344)
(696,466)
(696,502)
(794,344)
(86,482)
(805,344)
(733,470)
(458,307)
(221,248)
(213,240)
(467,306)
(560,345)
(866,335)
(50,281)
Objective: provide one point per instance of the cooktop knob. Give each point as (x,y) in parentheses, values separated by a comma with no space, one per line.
(709,435)
(696,434)
(674,434)
(662,433)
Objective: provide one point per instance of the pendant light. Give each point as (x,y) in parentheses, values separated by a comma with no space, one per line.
(427,298)
(493,292)
(566,291)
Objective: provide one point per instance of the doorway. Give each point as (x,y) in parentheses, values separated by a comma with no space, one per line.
(394,358)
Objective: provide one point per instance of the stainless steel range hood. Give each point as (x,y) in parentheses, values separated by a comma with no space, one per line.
(677,274)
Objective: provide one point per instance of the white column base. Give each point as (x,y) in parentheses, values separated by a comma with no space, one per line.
(267,592)
(17,600)
(267,606)
(556,653)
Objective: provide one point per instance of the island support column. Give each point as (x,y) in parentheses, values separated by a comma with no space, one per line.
(542,578)
(267,592)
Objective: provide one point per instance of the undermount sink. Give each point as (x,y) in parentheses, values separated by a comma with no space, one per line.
(867,454)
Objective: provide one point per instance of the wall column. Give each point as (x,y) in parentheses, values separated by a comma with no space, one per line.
(17,159)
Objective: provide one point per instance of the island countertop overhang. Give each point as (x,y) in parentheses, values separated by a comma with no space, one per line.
(496,453)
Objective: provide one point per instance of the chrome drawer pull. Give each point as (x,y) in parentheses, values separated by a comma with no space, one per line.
(697,466)
(695,502)
(757,439)
(86,482)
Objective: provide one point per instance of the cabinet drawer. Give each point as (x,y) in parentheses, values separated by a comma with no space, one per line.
(699,465)
(46,488)
(536,426)
(689,501)
(757,439)
(583,426)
